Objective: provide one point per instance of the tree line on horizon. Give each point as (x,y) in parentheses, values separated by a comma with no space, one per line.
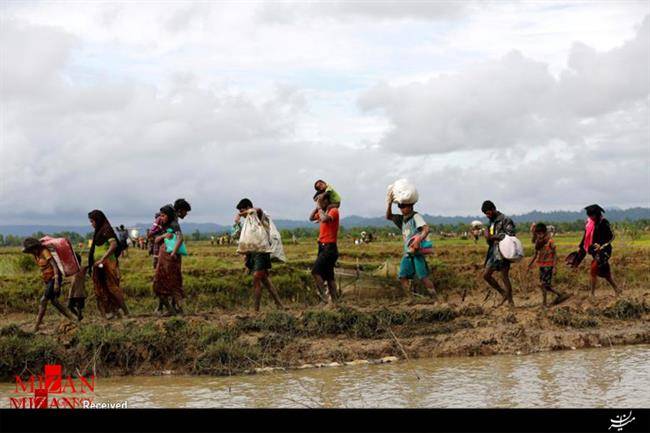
(632,227)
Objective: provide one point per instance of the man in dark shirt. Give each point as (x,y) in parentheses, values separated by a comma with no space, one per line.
(500,226)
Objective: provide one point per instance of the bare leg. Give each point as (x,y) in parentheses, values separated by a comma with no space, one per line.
(42,306)
(592,284)
(611,282)
(406,285)
(272,291)
(544,290)
(63,310)
(257,289)
(430,287)
(487,276)
(505,274)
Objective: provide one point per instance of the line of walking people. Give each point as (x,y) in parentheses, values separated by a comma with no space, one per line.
(169,247)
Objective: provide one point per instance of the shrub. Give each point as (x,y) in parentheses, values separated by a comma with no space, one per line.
(26,263)
(624,309)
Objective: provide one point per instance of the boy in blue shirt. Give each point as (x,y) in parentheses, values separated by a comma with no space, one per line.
(414,231)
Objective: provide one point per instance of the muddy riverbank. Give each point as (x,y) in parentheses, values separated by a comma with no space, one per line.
(606,377)
(229,343)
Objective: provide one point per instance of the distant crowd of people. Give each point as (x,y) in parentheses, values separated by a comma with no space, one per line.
(167,246)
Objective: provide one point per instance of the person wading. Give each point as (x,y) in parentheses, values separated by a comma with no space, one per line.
(500,226)
(328,253)
(51,277)
(168,278)
(597,241)
(103,265)
(259,263)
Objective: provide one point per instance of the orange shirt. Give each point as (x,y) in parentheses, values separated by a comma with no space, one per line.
(43,262)
(329,230)
(546,254)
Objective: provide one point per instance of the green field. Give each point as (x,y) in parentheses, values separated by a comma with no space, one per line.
(214,276)
(219,335)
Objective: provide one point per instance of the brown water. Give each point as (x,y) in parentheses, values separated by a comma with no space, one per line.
(618,376)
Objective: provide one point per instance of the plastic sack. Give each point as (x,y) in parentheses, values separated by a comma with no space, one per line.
(277,250)
(171,243)
(426,247)
(403,192)
(511,249)
(254,238)
(63,254)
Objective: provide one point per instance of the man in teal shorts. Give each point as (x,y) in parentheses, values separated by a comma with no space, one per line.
(414,231)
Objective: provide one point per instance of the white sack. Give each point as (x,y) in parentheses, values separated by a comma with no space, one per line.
(277,250)
(511,249)
(254,238)
(403,192)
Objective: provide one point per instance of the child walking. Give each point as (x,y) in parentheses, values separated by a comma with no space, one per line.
(546,257)
(52,278)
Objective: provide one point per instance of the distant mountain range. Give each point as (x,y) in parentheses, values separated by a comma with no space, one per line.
(351,221)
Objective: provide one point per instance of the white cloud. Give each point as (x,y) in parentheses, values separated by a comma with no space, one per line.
(514,101)
(127,106)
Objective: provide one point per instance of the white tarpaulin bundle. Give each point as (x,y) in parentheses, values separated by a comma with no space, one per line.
(476,224)
(403,191)
(511,249)
(277,250)
(254,238)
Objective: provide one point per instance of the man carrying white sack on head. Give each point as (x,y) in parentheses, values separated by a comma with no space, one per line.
(415,233)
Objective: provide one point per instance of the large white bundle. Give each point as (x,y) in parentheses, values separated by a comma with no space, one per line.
(476,224)
(254,238)
(277,250)
(403,192)
(511,249)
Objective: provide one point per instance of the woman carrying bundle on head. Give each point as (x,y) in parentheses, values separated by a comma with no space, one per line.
(104,267)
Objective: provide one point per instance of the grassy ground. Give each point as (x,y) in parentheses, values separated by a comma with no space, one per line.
(218,335)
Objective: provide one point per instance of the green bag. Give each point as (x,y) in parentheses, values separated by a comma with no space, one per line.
(171,243)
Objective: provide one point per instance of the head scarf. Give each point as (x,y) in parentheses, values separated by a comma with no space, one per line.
(596,214)
(103,232)
(590,227)
(594,209)
(171,214)
(30,245)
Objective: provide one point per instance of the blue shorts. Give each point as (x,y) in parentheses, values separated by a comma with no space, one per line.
(412,265)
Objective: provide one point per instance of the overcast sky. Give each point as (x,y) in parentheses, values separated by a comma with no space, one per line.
(125,106)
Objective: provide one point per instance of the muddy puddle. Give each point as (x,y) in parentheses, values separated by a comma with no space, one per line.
(616,376)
